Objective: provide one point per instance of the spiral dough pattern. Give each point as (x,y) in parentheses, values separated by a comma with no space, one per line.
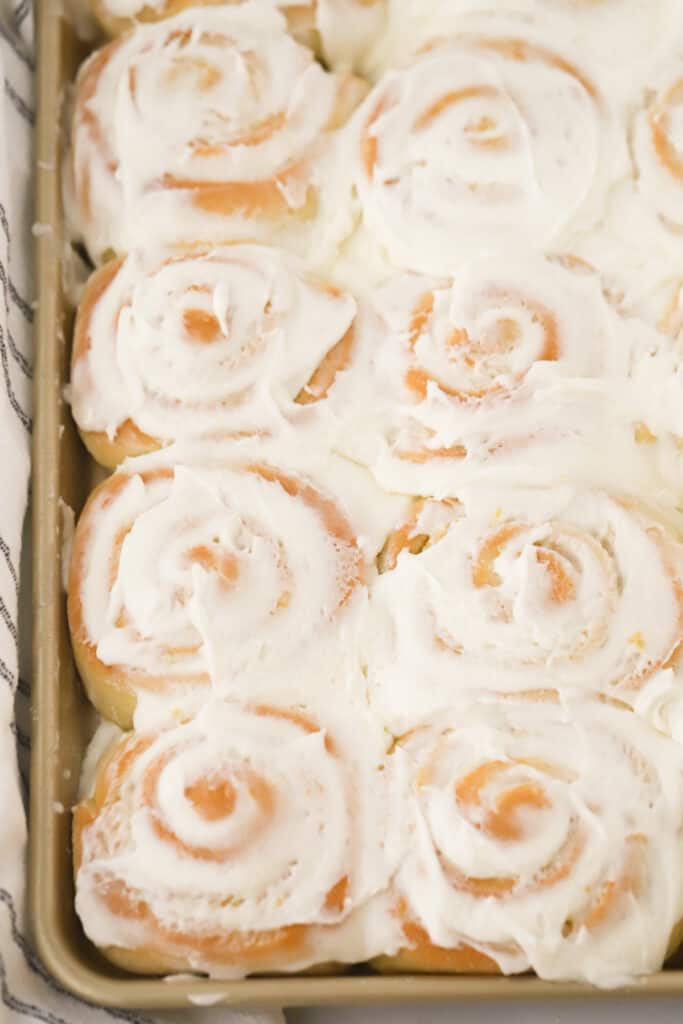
(481,140)
(486,371)
(657,151)
(538,827)
(342,30)
(618,34)
(525,590)
(386,586)
(182,575)
(240,842)
(209,344)
(229,159)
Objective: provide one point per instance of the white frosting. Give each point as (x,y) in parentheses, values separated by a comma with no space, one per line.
(620,34)
(660,701)
(298,812)
(499,230)
(546,835)
(518,368)
(526,590)
(240,574)
(210,126)
(104,737)
(657,148)
(491,135)
(640,241)
(204,344)
(347,28)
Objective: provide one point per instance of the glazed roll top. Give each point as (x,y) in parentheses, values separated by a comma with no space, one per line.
(511,591)
(342,31)
(388,579)
(207,344)
(546,834)
(236,574)
(212,126)
(639,240)
(244,841)
(486,136)
(519,365)
(619,34)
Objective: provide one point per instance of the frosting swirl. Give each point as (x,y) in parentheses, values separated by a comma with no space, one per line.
(518,366)
(240,842)
(118,16)
(439,731)
(342,30)
(184,573)
(522,590)
(620,34)
(544,834)
(481,139)
(204,344)
(658,146)
(211,126)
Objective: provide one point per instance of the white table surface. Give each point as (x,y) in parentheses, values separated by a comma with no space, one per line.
(612,1011)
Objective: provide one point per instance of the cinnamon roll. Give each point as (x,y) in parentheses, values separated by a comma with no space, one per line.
(339,30)
(246,841)
(527,589)
(485,137)
(186,574)
(388,578)
(118,16)
(546,833)
(641,238)
(213,126)
(656,147)
(519,366)
(217,343)
(620,34)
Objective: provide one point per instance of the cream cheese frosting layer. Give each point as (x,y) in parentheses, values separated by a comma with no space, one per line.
(214,343)
(211,126)
(620,34)
(525,589)
(640,237)
(489,135)
(394,602)
(349,29)
(244,840)
(343,30)
(546,833)
(657,140)
(520,366)
(244,575)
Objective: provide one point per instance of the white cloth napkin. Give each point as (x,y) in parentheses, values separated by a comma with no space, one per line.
(27,992)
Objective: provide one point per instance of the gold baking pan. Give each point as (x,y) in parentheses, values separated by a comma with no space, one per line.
(62,720)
